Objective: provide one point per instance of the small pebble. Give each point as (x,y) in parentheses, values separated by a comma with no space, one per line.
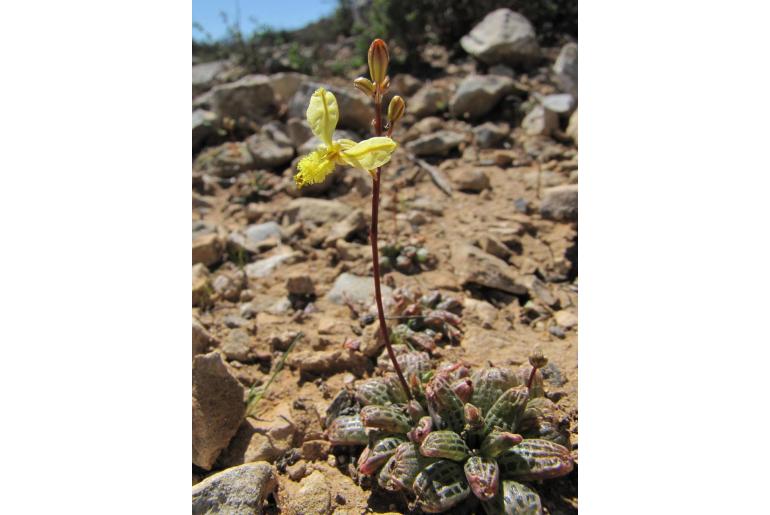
(557,331)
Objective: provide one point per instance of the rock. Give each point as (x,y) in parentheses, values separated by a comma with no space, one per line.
(329,361)
(300,284)
(226,160)
(217,408)
(201,288)
(206,249)
(299,131)
(502,37)
(566,319)
(204,75)
(405,85)
(489,134)
(502,70)
(203,128)
(565,69)
(540,122)
(354,288)
(560,203)
(472,180)
(436,144)
(251,96)
(229,284)
(538,290)
(313,497)
(264,267)
(355,112)
(430,99)
(354,223)
(286,84)
(270,149)
(494,246)
(202,341)
(319,211)
(562,104)
(297,471)
(479,94)
(572,128)
(427,205)
(313,450)
(236,491)
(257,233)
(352,251)
(311,144)
(479,311)
(239,345)
(259,441)
(417,218)
(474,266)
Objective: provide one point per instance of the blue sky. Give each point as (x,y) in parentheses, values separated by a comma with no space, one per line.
(279,14)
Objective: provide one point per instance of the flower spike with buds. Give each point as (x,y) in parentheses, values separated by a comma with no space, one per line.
(322,115)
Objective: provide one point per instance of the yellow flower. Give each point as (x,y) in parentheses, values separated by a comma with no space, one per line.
(322,115)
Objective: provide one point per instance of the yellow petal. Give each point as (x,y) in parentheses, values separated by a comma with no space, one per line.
(313,168)
(322,115)
(370,153)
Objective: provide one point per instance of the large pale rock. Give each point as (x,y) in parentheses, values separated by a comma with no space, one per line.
(560,203)
(429,100)
(235,491)
(502,37)
(354,288)
(565,69)
(251,96)
(562,104)
(475,267)
(437,144)
(217,408)
(355,112)
(479,94)
(316,210)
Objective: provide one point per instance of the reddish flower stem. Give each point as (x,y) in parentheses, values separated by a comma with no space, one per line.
(376,255)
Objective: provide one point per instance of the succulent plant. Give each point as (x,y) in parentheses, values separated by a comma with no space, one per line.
(485,433)
(407,259)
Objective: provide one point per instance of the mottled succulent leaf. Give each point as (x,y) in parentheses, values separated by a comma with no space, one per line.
(483,476)
(489,384)
(373,391)
(343,404)
(378,453)
(385,477)
(421,430)
(386,418)
(506,411)
(407,463)
(514,499)
(440,486)
(347,430)
(444,444)
(496,442)
(535,459)
(444,406)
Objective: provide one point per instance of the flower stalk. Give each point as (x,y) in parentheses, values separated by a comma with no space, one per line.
(378,65)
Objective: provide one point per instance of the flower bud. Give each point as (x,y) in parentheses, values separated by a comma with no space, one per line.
(536,359)
(364,85)
(396,109)
(378,60)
